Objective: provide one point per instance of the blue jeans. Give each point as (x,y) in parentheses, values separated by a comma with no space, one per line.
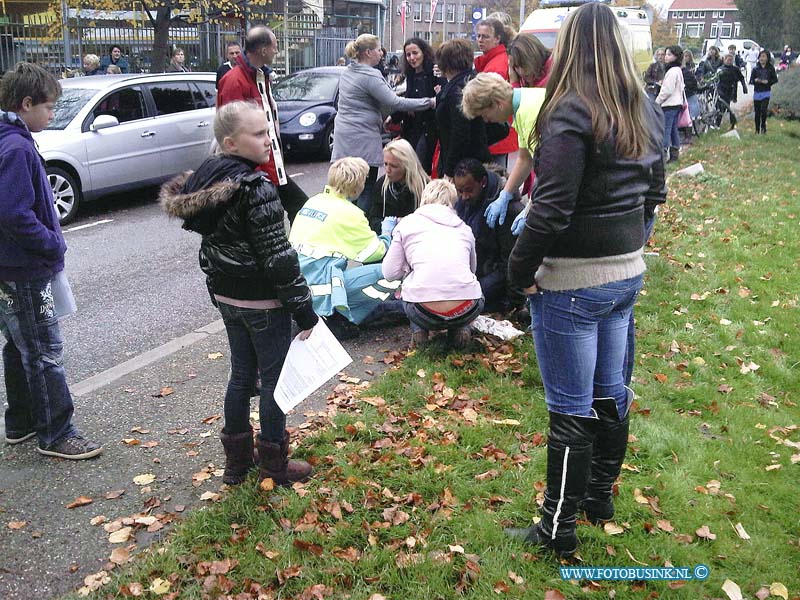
(33,357)
(259,341)
(581,339)
(672,136)
(424,320)
(630,354)
(694,106)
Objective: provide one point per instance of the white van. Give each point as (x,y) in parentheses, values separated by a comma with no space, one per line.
(545,22)
(742,45)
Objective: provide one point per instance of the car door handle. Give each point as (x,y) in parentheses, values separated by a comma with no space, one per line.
(148,133)
(203,124)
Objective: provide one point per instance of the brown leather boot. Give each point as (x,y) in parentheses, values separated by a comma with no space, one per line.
(238,456)
(274,463)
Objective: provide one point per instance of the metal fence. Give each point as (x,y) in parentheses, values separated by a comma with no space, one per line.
(42,38)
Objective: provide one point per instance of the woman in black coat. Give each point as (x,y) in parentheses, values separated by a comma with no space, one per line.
(762,78)
(419,128)
(398,192)
(599,176)
(459,137)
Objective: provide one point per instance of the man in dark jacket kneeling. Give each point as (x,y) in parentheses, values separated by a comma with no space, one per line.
(478,187)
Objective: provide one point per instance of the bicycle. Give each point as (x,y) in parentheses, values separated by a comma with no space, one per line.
(711,111)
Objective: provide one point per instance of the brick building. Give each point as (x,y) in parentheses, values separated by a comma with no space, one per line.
(451,19)
(701,19)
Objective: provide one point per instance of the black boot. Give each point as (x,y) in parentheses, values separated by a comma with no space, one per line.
(274,463)
(674,154)
(238,456)
(569,458)
(341,327)
(610,446)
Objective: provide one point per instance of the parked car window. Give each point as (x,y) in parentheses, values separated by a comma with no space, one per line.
(306,86)
(205,94)
(71,101)
(126,104)
(172,97)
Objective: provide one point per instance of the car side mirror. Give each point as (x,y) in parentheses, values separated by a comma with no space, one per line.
(103,122)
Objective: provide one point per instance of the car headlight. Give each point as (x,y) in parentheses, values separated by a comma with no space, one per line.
(308,119)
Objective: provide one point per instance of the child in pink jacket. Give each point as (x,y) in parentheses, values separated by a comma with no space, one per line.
(433,250)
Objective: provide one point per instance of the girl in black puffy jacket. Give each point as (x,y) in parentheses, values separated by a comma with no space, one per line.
(254,278)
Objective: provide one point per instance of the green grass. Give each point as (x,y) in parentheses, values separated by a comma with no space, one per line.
(730,240)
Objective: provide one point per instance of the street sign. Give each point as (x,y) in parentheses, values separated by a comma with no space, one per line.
(478,14)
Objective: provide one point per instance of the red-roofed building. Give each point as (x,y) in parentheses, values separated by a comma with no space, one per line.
(700,19)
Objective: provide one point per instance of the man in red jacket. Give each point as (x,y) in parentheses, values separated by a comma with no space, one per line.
(249,80)
(492,40)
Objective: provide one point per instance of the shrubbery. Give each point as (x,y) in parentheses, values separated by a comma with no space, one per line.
(785,102)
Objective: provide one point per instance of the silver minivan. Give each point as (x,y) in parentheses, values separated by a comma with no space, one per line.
(116,132)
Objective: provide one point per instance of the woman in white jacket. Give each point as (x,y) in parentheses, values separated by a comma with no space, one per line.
(670,99)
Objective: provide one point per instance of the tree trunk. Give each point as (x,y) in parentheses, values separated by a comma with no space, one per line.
(161,45)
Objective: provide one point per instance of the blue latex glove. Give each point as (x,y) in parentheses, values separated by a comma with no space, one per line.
(388,224)
(519,222)
(496,212)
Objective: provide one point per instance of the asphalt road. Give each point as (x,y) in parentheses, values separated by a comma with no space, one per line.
(136,280)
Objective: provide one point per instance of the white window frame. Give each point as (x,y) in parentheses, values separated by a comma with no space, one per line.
(428,17)
(678,28)
(439,12)
(737,30)
(727,30)
(700,27)
(417,12)
(451,13)
(462,13)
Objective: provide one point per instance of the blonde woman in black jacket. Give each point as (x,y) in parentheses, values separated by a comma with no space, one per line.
(600,174)
(254,278)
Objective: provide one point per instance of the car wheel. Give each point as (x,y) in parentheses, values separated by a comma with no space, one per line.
(66,194)
(327,142)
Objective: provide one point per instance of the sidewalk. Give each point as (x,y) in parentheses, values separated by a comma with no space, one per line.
(171,436)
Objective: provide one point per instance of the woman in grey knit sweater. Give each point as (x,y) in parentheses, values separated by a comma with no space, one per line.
(365,100)
(599,174)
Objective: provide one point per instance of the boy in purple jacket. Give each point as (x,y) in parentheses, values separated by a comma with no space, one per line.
(31,254)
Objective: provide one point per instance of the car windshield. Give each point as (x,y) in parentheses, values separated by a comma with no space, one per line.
(310,87)
(548,38)
(72,100)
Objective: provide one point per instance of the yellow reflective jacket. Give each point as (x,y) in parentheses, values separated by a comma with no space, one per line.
(330,225)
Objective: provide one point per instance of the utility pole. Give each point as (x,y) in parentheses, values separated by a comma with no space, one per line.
(286,33)
(65,33)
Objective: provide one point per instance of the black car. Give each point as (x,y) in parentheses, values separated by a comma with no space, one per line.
(307,104)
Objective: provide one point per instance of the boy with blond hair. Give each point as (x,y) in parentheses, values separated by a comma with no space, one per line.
(31,254)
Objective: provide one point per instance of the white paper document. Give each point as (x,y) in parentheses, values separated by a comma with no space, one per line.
(309,365)
(63,299)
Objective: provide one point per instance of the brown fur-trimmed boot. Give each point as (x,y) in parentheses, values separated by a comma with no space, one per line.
(238,456)
(274,463)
